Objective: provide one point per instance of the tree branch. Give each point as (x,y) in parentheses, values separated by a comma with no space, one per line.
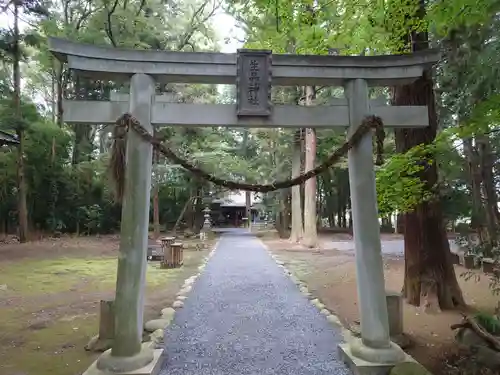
(109,29)
(141,7)
(195,23)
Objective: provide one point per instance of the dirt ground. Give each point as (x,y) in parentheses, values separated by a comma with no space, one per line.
(49,299)
(330,275)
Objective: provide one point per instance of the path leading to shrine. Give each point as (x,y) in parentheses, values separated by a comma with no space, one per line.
(245,316)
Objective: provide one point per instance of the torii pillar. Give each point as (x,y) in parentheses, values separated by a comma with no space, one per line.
(128,354)
(373,352)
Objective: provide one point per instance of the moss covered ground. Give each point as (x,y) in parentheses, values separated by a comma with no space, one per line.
(49,299)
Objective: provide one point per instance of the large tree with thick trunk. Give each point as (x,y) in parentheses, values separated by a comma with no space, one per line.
(430,278)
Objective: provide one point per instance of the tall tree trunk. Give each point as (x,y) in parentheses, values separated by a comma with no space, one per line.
(486,165)
(156,201)
(478,214)
(198,211)
(297,224)
(22,208)
(248,208)
(183,212)
(340,206)
(330,201)
(429,274)
(400,223)
(190,208)
(59,91)
(53,93)
(283,214)
(53,188)
(310,238)
(156,213)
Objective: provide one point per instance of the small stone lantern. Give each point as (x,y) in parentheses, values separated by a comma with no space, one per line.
(206,223)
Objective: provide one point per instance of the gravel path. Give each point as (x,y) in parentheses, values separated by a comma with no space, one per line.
(245,317)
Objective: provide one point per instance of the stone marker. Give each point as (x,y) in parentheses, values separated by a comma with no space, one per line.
(395,313)
(104,339)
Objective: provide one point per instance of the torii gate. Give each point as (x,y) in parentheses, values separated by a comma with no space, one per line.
(251,71)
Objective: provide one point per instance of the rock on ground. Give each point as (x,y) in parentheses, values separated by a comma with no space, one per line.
(156,324)
(167,313)
(409,368)
(483,353)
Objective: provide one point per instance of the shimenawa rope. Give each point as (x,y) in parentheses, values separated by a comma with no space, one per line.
(127,122)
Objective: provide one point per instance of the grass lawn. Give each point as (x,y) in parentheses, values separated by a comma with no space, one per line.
(49,299)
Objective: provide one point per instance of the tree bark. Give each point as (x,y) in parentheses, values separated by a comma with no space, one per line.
(478,214)
(310,238)
(330,202)
(181,215)
(22,207)
(486,165)
(297,224)
(340,207)
(248,208)
(59,91)
(282,221)
(156,201)
(429,274)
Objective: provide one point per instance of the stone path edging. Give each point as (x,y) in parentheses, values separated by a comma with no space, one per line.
(157,327)
(330,316)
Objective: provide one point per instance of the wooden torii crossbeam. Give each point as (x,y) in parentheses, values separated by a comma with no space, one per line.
(251,71)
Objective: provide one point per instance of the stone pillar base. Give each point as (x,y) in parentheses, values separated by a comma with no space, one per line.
(383,360)
(153,367)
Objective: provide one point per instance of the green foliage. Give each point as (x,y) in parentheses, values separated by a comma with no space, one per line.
(488,322)
(399,188)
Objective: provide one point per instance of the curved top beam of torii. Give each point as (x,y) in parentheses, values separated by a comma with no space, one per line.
(220,68)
